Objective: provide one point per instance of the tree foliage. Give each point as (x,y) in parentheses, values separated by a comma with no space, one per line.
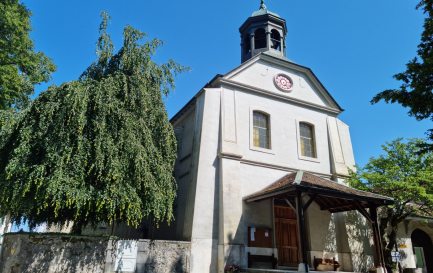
(403,174)
(416,90)
(98,149)
(20,66)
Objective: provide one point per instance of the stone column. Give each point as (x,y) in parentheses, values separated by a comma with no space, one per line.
(253,46)
(268,40)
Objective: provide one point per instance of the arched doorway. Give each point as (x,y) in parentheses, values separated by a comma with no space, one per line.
(423,249)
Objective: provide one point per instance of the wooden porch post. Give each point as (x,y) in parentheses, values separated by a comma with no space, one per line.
(303,265)
(379,259)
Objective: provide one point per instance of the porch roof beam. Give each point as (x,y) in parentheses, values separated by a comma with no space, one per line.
(306,205)
(340,208)
(275,194)
(341,195)
(293,206)
(364,212)
(334,204)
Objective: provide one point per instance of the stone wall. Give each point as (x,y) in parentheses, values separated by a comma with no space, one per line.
(55,253)
(163,257)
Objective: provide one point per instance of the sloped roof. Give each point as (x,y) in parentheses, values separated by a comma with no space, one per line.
(332,196)
(216,80)
(286,63)
(263,11)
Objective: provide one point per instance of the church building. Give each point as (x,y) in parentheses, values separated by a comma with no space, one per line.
(261,172)
(261,168)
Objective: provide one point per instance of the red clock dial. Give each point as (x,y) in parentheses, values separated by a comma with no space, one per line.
(283,82)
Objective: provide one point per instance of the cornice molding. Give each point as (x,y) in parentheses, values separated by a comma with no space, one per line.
(264,92)
(268,165)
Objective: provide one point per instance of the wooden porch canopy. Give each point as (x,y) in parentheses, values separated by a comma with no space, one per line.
(329,195)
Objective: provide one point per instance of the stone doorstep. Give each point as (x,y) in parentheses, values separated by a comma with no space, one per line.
(258,270)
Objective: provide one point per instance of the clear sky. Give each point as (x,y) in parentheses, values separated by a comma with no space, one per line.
(354,47)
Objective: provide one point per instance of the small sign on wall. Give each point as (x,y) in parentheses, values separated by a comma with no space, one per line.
(259,237)
(395,256)
(126,256)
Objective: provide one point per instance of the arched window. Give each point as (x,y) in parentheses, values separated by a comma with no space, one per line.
(307,139)
(259,38)
(275,40)
(423,249)
(261,130)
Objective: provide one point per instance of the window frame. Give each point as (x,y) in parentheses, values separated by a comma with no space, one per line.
(278,41)
(269,133)
(298,137)
(258,40)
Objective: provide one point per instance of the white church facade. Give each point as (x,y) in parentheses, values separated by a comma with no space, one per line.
(261,167)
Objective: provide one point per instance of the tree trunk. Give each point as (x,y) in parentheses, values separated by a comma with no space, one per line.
(390,231)
(392,240)
(383,228)
(389,247)
(77,228)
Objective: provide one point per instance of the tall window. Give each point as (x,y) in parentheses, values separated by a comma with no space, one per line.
(260,38)
(308,146)
(261,130)
(276,40)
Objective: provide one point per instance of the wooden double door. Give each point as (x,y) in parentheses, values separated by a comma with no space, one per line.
(286,236)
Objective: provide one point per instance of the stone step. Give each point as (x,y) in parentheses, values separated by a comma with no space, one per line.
(261,270)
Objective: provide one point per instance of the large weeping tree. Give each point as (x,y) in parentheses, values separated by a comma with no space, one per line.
(98,149)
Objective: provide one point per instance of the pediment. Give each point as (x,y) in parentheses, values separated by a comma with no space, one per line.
(260,72)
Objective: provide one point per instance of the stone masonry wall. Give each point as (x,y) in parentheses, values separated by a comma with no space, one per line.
(163,257)
(55,253)
(33,253)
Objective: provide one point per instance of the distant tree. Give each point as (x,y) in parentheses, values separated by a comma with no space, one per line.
(20,66)
(416,90)
(98,149)
(403,174)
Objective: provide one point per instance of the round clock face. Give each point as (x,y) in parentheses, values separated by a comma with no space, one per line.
(283,82)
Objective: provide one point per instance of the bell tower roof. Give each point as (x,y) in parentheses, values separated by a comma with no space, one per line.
(263,31)
(263,10)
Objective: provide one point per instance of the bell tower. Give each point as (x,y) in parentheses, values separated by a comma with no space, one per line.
(263,31)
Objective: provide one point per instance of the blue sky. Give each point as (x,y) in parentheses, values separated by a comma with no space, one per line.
(354,47)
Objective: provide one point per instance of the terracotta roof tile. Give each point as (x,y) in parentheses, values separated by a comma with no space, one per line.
(300,178)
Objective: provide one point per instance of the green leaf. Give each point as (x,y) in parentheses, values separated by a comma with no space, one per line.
(98,149)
